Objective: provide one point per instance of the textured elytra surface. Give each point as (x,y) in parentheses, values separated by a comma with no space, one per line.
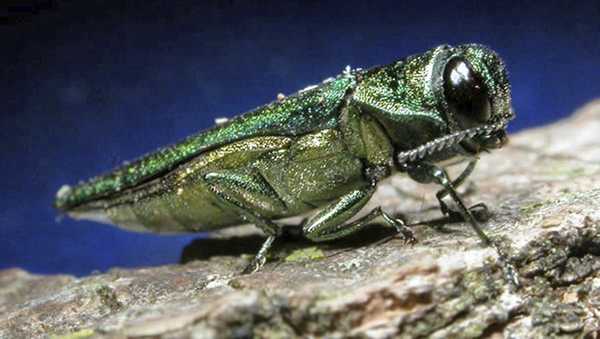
(543,190)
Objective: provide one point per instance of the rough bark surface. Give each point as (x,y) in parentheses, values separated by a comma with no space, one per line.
(543,190)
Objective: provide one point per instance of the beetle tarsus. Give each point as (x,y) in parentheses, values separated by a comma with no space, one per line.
(261,257)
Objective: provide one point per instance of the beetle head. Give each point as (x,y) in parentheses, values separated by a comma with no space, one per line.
(446,101)
(474,93)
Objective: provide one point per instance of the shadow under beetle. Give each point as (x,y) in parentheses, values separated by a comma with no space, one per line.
(324,148)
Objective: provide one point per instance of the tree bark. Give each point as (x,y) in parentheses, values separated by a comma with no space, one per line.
(543,190)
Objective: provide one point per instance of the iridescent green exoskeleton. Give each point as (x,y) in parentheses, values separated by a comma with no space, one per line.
(324,148)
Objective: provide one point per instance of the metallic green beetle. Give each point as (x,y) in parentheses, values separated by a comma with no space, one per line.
(324,148)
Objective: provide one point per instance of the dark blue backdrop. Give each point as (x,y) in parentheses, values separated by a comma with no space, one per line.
(87,85)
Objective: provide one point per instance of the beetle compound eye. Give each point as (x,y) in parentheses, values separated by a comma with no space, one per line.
(465,93)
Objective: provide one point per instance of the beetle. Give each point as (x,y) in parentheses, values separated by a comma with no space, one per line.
(324,148)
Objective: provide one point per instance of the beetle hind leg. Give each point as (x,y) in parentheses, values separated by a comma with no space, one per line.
(246,192)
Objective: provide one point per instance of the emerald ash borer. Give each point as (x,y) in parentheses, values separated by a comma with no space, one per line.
(322,149)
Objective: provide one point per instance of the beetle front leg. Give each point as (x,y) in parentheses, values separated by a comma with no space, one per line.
(249,193)
(479,210)
(426,172)
(440,176)
(328,224)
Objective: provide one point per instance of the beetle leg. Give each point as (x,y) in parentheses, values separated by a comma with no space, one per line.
(328,224)
(479,211)
(249,194)
(441,177)
(425,172)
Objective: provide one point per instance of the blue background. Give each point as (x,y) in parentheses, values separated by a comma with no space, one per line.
(87,85)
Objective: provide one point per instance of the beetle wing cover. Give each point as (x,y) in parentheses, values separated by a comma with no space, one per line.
(303,112)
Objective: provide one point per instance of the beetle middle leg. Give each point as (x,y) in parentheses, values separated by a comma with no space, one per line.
(246,192)
(328,224)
